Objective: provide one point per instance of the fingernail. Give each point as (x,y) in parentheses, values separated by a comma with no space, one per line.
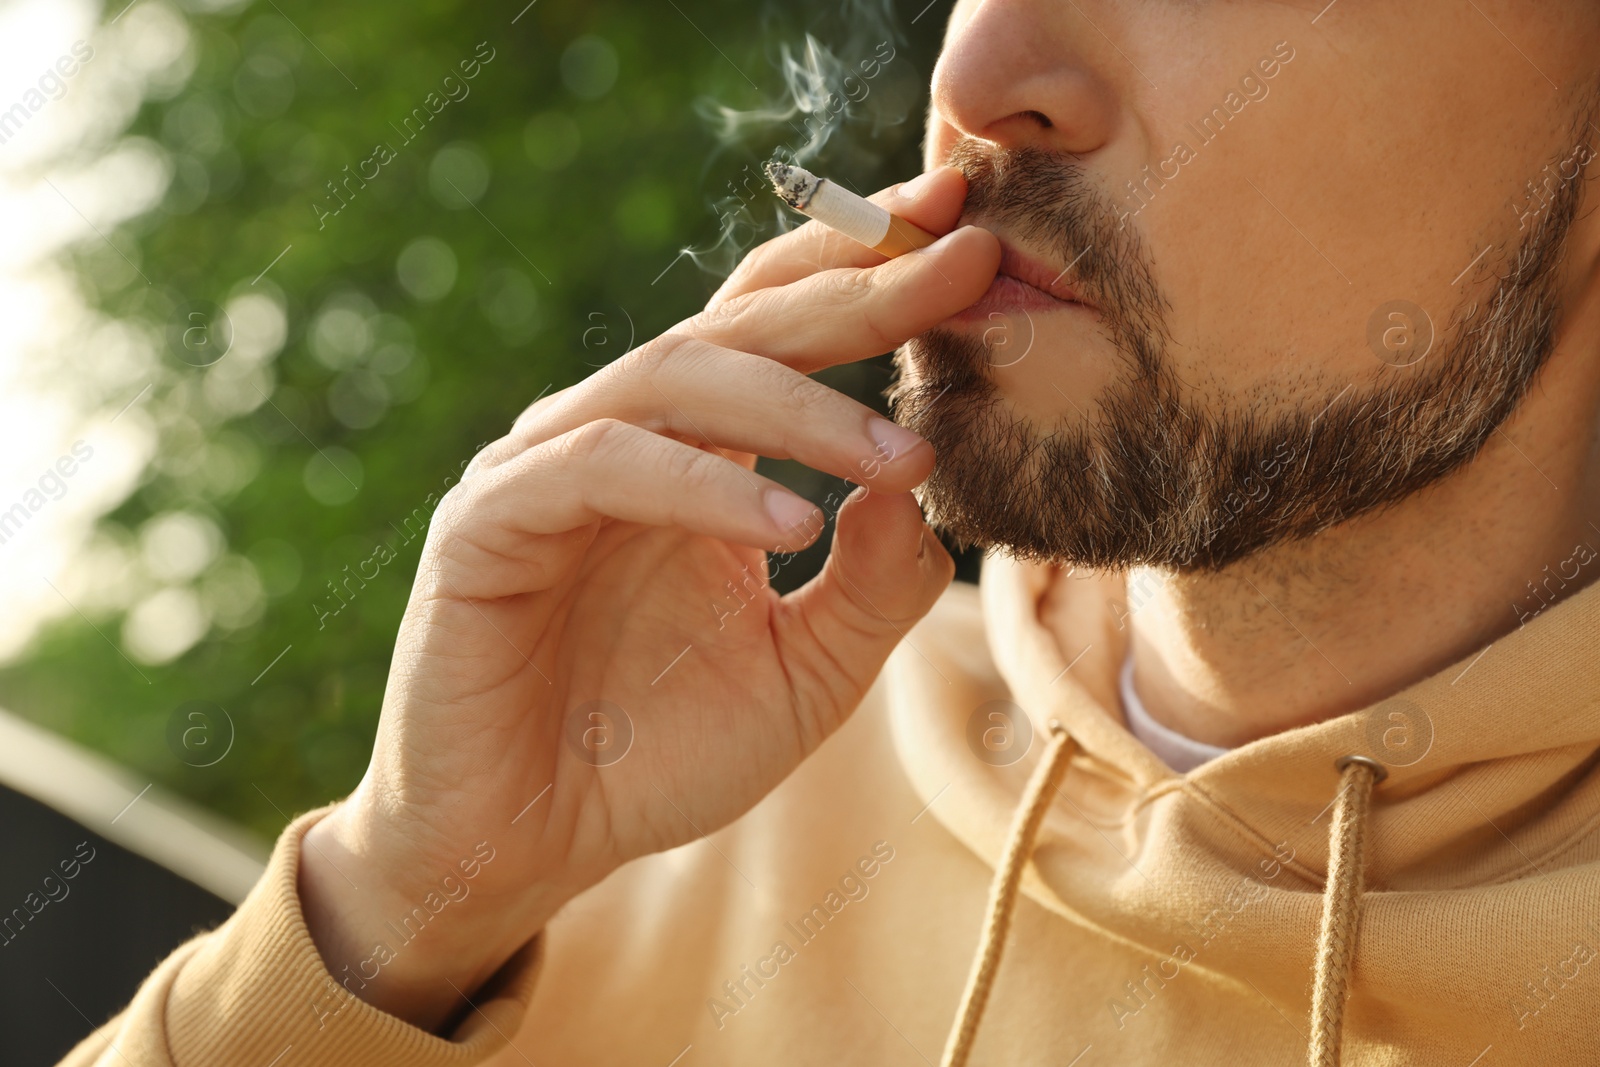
(891,440)
(788,510)
(916,186)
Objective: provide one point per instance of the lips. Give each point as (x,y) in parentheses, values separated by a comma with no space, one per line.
(1031,272)
(1024,284)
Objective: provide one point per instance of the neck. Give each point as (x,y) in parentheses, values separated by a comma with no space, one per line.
(1317,628)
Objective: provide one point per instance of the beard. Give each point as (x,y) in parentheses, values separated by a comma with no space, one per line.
(1152,477)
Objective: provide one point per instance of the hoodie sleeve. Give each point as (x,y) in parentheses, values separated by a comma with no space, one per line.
(254,991)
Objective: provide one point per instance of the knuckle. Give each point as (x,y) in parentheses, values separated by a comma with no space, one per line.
(650,358)
(594,440)
(720,317)
(456,499)
(849,286)
(808,398)
(858,292)
(492,455)
(452,513)
(691,469)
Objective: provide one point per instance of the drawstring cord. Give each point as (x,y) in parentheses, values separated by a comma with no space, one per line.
(1341,900)
(1003,894)
(1341,905)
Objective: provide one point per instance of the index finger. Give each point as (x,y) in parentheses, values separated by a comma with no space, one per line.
(932,200)
(845,314)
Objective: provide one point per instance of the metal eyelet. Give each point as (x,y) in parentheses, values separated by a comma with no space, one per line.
(1379,771)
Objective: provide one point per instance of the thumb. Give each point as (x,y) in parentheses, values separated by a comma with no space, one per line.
(886,570)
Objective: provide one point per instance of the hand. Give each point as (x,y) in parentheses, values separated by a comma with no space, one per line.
(597,553)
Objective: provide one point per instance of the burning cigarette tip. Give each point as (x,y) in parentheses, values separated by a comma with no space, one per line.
(795,185)
(851,214)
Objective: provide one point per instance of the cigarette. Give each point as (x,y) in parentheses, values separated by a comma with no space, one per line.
(854,216)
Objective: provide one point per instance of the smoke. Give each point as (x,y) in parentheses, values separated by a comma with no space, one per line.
(844,75)
(823,90)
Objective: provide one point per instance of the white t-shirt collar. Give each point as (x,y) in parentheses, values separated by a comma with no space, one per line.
(1182,754)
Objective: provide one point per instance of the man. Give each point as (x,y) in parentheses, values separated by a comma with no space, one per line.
(1271,731)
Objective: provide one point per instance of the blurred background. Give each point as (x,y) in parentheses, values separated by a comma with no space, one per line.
(272,273)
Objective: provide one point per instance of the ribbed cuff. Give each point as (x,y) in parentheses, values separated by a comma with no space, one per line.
(257,990)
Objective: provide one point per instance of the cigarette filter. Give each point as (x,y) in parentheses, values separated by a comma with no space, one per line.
(854,216)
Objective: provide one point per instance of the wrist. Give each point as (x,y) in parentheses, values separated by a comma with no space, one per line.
(405,930)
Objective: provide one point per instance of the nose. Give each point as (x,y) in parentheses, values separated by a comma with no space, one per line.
(1022,73)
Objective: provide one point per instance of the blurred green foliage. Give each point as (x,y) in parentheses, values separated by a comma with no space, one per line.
(517,241)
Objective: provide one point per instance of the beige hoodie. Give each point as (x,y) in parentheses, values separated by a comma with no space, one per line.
(1163,919)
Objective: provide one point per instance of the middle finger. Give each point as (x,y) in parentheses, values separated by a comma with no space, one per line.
(693,390)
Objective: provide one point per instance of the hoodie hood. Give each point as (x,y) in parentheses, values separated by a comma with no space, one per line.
(1481,902)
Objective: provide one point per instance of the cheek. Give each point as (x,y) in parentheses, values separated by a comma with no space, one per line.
(1253,305)
(1282,244)
(1252,263)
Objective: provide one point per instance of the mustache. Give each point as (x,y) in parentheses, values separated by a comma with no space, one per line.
(1047,200)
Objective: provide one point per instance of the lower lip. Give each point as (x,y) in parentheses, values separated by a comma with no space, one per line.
(1008,295)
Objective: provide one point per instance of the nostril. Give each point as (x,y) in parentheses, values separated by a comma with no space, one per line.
(1040,117)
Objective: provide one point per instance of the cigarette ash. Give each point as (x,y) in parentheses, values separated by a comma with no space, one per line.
(795,185)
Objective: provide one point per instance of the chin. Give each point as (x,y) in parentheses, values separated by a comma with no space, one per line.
(1048,374)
